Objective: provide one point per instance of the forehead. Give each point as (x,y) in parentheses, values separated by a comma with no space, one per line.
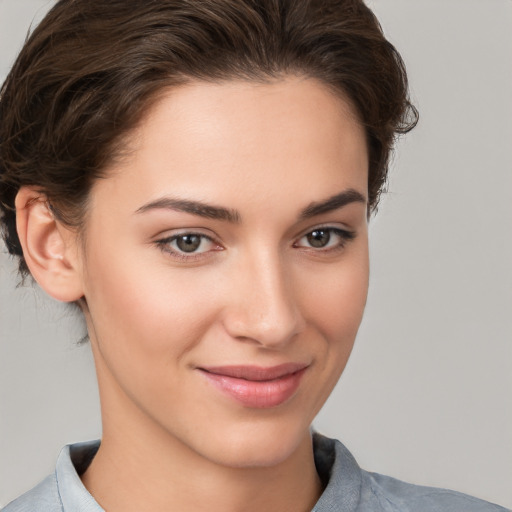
(235,139)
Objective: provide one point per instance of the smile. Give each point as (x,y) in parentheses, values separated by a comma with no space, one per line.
(254,386)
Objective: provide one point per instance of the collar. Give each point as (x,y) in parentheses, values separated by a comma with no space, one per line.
(73,461)
(336,467)
(340,474)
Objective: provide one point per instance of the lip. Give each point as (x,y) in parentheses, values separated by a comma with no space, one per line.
(255,386)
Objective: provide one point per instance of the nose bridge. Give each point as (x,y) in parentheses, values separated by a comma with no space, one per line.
(265,309)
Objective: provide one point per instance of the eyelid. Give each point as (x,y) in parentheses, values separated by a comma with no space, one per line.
(339,228)
(163,242)
(186,230)
(346,235)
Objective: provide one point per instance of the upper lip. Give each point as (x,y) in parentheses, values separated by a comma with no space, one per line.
(255,373)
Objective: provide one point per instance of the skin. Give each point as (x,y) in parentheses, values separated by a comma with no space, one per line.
(256,292)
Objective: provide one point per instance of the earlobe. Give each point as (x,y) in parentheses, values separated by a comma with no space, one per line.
(49,248)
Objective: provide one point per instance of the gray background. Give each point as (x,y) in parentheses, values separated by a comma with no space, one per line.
(426,396)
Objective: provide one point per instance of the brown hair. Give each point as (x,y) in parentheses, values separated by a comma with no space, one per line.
(91,69)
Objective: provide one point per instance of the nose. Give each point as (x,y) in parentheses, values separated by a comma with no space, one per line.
(263,306)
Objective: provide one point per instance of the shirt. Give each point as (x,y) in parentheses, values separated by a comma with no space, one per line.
(348,488)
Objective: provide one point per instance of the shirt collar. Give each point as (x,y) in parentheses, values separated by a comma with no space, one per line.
(336,466)
(72,461)
(340,474)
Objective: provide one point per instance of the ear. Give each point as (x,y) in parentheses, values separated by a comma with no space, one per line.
(50,249)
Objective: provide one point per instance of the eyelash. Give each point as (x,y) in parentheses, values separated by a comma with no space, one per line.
(164,244)
(344,236)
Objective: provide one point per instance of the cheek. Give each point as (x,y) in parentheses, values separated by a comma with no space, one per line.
(334,300)
(144,312)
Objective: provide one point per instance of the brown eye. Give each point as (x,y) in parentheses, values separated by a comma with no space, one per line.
(325,239)
(188,243)
(318,238)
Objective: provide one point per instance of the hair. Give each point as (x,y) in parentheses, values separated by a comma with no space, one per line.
(91,70)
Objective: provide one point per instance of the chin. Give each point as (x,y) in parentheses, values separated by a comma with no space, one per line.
(257,445)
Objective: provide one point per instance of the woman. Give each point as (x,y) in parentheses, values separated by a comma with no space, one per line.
(197,178)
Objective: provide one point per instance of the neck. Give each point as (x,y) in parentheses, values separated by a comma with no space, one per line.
(146,468)
(133,474)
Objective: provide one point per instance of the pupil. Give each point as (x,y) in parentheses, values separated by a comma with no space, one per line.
(319,238)
(188,243)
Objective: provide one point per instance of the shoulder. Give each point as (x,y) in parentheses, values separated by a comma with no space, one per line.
(42,498)
(63,490)
(350,488)
(393,495)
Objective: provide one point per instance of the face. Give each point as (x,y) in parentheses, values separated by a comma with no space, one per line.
(225,267)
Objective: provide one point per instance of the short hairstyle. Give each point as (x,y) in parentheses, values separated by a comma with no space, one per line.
(92,68)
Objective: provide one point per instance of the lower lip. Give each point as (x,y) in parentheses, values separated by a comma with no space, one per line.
(258,394)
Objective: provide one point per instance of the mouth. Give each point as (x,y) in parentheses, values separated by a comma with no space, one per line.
(254,386)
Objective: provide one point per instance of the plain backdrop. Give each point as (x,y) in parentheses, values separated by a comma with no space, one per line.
(426,396)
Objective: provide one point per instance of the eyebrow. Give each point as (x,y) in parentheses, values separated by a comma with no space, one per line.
(220,213)
(332,203)
(194,207)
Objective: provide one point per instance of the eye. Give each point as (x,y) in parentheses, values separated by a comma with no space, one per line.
(187,245)
(325,238)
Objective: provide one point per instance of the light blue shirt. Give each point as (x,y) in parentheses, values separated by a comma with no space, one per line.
(348,488)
